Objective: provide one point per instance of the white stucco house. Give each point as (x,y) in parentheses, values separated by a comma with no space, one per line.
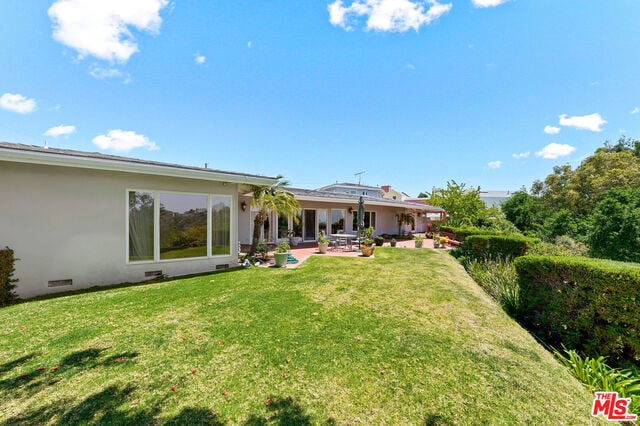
(78,219)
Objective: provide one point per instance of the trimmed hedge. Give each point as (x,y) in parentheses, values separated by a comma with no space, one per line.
(496,246)
(591,305)
(462,233)
(7,260)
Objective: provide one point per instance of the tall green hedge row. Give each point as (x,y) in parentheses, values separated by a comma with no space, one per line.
(496,246)
(463,232)
(591,305)
(7,283)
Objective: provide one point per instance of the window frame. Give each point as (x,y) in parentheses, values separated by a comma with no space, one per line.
(156,225)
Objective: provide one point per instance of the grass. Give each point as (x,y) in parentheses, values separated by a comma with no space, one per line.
(405,338)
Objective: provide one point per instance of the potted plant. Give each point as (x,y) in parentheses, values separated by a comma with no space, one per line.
(393,242)
(379,240)
(367,246)
(293,239)
(323,243)
(436,240)
(281,254)
(419,240)
(262,249)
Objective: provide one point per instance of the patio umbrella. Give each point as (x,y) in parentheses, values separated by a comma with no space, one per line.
(360,218)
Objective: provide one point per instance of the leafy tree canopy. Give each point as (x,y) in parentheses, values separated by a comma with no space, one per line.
(462,204)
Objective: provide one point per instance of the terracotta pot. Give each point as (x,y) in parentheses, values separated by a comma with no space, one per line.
(367,250)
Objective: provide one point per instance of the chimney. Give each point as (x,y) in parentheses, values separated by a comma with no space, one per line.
(386,188)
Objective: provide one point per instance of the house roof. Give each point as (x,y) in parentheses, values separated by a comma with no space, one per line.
(94,160)
(350,185)
(339,197)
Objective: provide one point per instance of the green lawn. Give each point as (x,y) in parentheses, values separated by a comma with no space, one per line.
(404,338)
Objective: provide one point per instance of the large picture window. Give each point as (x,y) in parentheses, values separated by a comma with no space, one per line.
(183,226)
(369,220)
(167,225)
(337,221)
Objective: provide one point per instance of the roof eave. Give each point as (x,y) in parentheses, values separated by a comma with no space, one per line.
(35,157)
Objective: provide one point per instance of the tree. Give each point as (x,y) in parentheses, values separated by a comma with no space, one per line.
(615,233)
(404,217)
(523,210)
(463,206)
(267,199)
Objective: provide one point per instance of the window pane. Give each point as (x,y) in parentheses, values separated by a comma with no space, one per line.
(183,226)
(337,221)
(322,222)
(140,226)
(220,225)
(283,226)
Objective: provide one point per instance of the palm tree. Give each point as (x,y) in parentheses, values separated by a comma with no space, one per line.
(267,199)
(404,217)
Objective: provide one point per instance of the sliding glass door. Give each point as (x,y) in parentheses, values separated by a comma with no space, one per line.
(309,225)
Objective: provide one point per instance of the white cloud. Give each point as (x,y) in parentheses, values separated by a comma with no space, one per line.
(103,28)
(199,59)
(635,110)
(60,131)
(592,122)
(522,155)
(123,141)
(488,3)
(387,15)
(551,130)
(103,73)
(249,44)
(17,103)
(494,164)
(411,67)
(554,150)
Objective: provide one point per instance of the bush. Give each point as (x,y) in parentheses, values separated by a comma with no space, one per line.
(596,375)
(7,282)
(496,246)
(591,305)
(461,234)
(562,246)
(499,279)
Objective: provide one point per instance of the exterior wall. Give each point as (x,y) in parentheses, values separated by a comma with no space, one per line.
(244,221)
(70,223)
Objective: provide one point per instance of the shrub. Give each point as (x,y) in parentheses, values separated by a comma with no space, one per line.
(499,279)
(462,233)
(562,246)
(591,305)
(596,375)
(496,246)
(7,282)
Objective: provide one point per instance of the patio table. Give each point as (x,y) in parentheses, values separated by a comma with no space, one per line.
(348,239)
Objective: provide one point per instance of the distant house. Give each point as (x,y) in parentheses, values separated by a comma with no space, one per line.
(495,198)
(353,189)
(78,219)
(392,194)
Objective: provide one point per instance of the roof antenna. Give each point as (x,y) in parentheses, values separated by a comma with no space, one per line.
(359,174)
(46,145)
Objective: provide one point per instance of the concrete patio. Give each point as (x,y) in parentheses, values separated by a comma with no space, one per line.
(305,250)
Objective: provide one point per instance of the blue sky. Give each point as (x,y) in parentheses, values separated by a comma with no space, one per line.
(487,92)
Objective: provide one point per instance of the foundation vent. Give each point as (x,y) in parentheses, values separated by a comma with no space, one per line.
(59,283)
(153,274)
(223,266)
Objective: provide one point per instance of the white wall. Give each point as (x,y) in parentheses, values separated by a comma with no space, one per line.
(69,223)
